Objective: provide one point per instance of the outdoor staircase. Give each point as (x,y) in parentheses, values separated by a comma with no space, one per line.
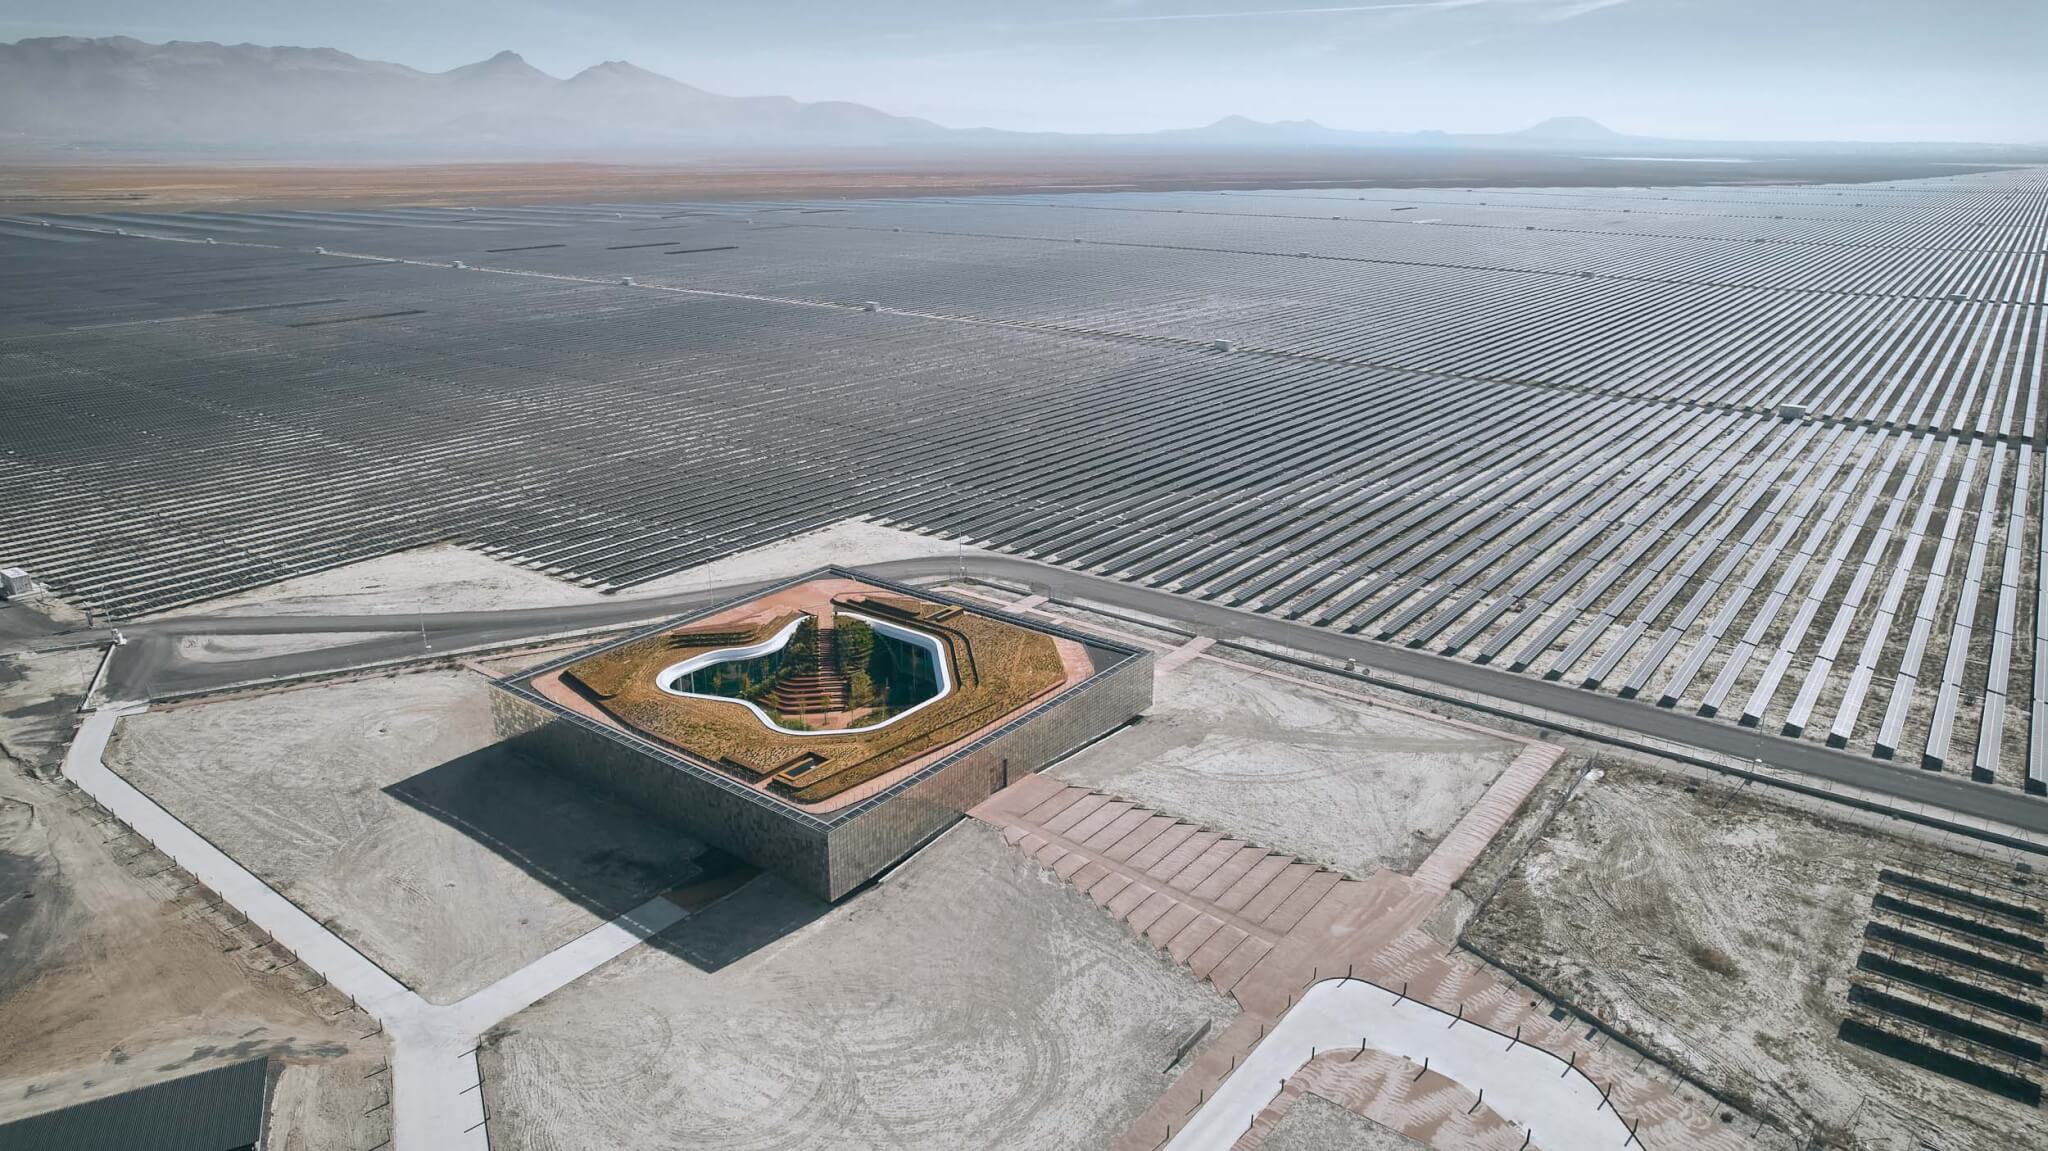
(824,690)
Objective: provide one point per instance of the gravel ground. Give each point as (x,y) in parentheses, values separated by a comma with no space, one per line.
(430,579)
(1719,929)
(1313,1123)
(385,808)
(849,543)
(445,578)
(39,698)
(1295,767)
(970,1000)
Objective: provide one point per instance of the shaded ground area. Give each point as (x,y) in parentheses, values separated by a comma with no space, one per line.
(1313,1123)
(88,187)
(32,620)
(970,999)
(387,809)
(1719,929)
(115,974)
(39,698)
(1295,767)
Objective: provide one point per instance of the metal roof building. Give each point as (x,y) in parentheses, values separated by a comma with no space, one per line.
(218,1110)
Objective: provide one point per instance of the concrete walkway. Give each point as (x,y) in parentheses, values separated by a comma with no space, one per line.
(1557,1106)
(437,1095)
(1475,832)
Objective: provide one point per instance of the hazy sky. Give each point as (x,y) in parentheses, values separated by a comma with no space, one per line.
(1751,69)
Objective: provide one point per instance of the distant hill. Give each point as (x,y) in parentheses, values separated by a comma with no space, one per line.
(1242,131)
(1245,129)
(120,93)
(1577,128)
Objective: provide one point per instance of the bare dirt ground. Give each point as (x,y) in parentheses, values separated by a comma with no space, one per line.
(1295,767)
(849,543)
(445,578)
(39,697)
(429,579)
(86,185)
(971,999)
(1718,928)
(111,978)
(387,809)
(1313,1123)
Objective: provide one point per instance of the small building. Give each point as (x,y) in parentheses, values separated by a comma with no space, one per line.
(1792,411)
(15,583)
(824,727)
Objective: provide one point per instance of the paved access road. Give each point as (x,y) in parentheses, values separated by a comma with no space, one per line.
(150,665)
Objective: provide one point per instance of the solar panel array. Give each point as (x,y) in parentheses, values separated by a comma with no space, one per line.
(1539,428)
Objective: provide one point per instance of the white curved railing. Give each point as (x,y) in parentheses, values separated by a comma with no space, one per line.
(666,678)
(1522,1083)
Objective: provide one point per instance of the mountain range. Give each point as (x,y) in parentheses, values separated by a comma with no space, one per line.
(121,93)
(118,95)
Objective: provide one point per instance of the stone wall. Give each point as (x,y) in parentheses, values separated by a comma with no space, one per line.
(875,838)
(760,830)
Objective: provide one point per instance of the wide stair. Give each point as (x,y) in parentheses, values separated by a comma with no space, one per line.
(824,690)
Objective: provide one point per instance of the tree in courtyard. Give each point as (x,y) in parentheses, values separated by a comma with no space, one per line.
(800,655)
(856,647)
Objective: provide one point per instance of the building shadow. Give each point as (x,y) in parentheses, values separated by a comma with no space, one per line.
(606,855)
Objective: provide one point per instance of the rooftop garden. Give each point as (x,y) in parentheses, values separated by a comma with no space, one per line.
(890,699)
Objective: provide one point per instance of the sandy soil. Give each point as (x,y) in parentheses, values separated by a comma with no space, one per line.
(110,978)
(83,185)
(849,543)
(1294,767)
(429,579)
(1719,929)
(445,578)
(39,698)
(482,861)
(1313,1123)
(971,1000)
(235,648)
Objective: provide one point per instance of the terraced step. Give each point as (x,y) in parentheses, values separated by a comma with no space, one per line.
(1215,903)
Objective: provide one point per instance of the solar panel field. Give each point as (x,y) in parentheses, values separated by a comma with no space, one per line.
(1546,429)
